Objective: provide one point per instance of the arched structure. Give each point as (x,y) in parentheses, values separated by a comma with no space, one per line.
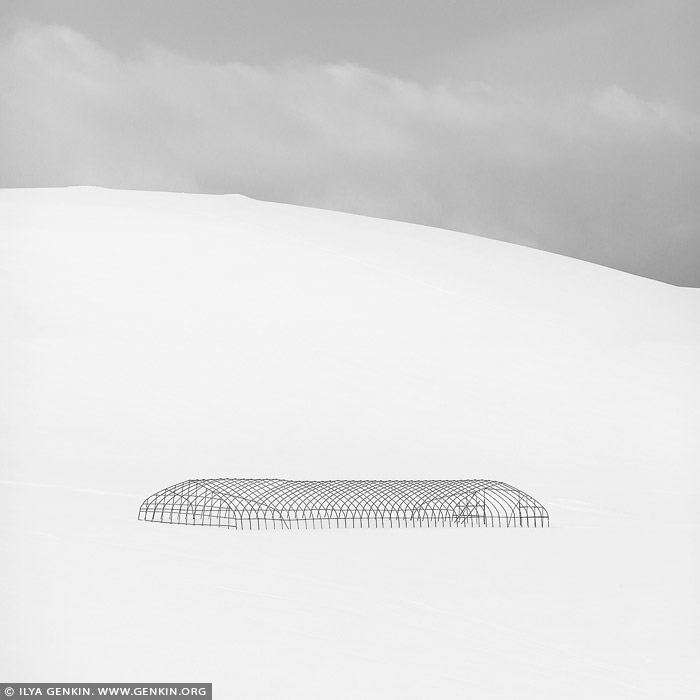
(262,504)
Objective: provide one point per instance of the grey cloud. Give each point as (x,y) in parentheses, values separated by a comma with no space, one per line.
(604,176)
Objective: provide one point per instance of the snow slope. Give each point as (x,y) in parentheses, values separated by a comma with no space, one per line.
(148,338)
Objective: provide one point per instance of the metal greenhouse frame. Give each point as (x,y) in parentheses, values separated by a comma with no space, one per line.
(261,504)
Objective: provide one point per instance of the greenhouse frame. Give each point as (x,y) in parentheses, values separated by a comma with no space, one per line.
(263,504)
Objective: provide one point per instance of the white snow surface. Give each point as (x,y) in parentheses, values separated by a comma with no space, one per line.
(147,338)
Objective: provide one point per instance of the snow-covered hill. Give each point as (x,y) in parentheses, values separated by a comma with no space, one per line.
(148,338)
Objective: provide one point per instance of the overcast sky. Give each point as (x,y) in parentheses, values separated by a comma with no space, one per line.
(569,126)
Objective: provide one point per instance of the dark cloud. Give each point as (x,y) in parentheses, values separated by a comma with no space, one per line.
(603,175)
